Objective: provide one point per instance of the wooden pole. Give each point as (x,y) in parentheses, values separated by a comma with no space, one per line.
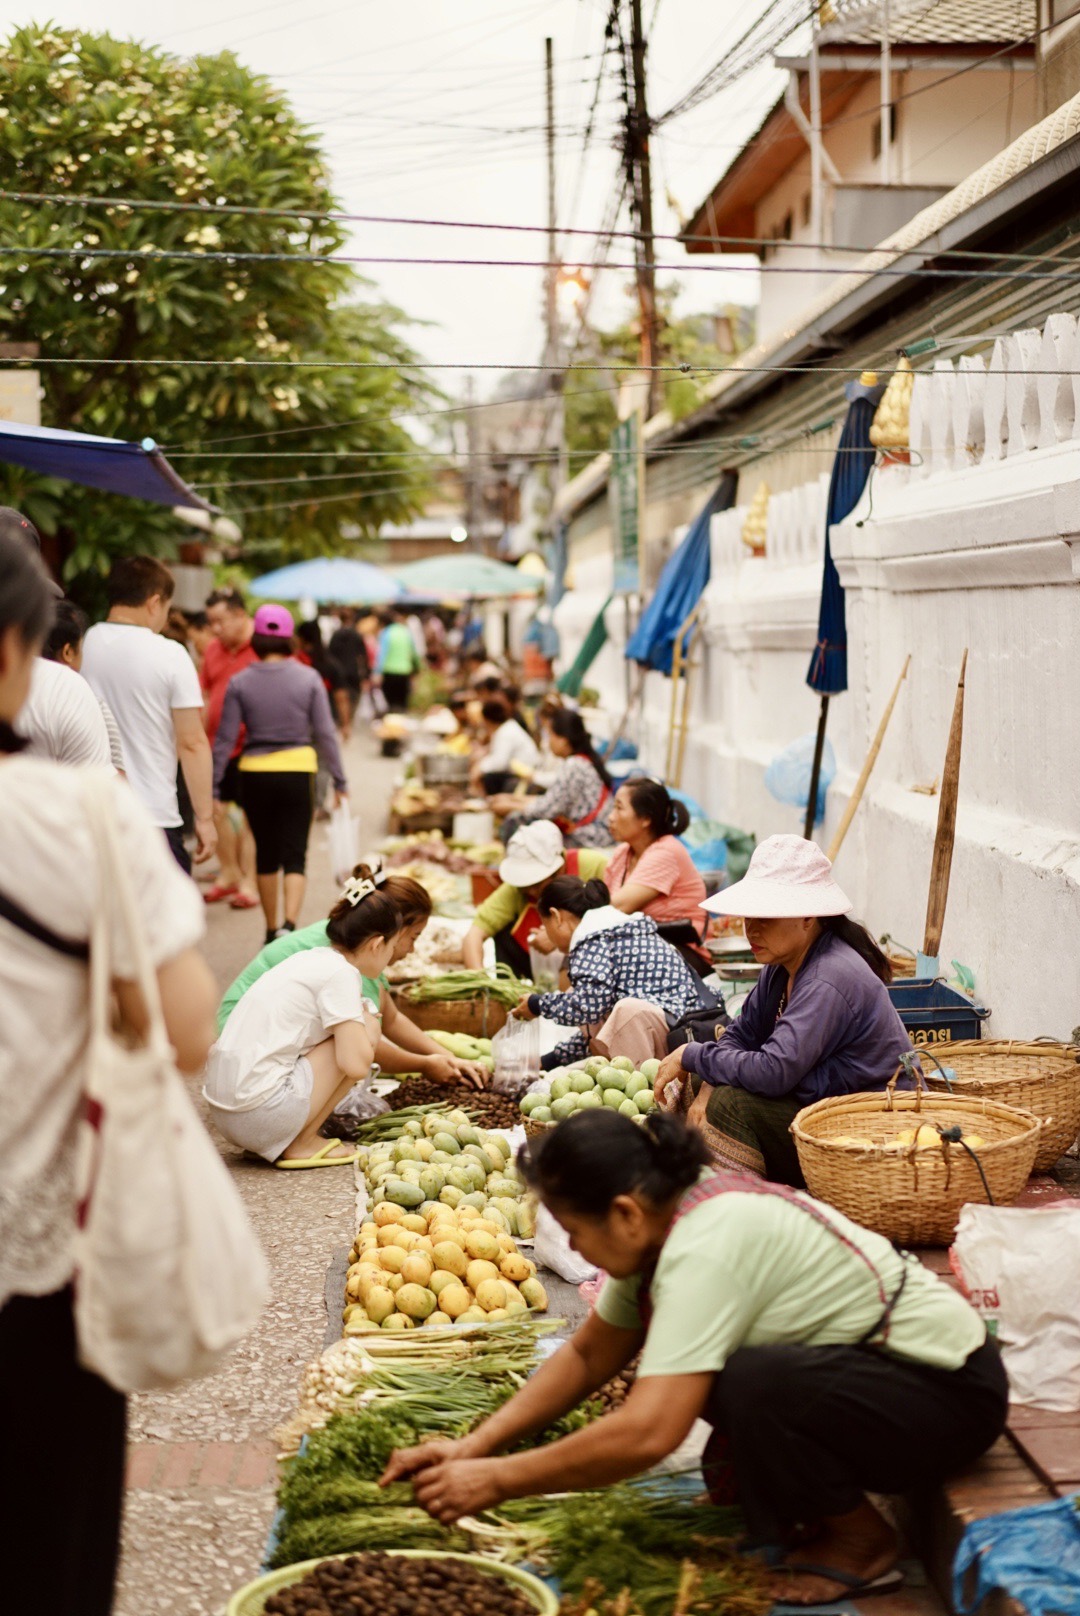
(867,768)
(815,771)
(946,825)
(635,697)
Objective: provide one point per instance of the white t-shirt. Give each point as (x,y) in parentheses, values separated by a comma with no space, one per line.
(510,744)
(144,679)
(48,866)
(291,1008)
(61,717)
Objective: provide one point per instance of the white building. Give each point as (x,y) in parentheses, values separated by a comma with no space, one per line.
(975,545)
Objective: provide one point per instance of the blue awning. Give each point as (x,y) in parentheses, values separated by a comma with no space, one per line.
(139,470)
(682,584)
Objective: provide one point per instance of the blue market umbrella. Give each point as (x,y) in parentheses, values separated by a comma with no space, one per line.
(330,580)
(681,585)
(855,456)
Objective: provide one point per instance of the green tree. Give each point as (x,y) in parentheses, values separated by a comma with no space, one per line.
(85,115)
(591,395)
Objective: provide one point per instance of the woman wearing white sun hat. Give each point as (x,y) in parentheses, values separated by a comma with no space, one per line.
(818,1022)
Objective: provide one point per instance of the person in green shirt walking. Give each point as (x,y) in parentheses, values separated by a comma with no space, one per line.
(828,1364)
(402,1047)
(398,660)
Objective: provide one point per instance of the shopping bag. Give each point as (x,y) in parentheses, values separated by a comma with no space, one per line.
(545,969)
(516,1052)
(551,1249)
(1020,1268)
(344,842)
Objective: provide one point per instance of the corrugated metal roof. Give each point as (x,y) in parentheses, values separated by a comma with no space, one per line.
(932,22)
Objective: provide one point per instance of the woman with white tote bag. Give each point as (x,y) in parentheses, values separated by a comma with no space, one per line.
(63,1424)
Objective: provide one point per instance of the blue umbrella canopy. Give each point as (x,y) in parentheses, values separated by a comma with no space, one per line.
(854,458)
(139,470)
(330,580)
(465,573)
(681,586)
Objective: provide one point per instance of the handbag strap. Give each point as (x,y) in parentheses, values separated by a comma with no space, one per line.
(115,891)
(17,916)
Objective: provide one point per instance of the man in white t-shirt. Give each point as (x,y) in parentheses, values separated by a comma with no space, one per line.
(61,718)
(151,687)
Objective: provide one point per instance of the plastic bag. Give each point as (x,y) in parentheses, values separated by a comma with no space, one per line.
(344,842)
(516,1052)
(788,775)
(354,1109)
(1032,1554)
(544,970)
(551,1249)
(1021,1270)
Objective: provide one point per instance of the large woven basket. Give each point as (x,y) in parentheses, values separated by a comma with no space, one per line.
(1043,1078)
(480,1017)
(913,1197)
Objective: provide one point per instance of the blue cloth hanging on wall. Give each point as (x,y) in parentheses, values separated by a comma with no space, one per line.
(682,584)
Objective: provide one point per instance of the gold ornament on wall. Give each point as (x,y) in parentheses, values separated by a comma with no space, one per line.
(753,530)
(890,430)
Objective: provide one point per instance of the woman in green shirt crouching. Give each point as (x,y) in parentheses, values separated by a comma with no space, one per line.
(828,1364)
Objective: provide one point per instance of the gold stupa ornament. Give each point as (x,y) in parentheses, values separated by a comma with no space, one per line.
(753,531)
(890,429)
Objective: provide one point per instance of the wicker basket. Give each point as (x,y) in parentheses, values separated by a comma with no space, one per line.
(1043,1078)
(913,1197)
(533,1130)
(480,1017)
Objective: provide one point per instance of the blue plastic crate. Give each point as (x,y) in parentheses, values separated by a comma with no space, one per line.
(934,1013)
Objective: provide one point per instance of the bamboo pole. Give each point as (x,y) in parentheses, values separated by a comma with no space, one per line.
(867,768)
(946,825)
(631,704)
(681,668)
(815,770)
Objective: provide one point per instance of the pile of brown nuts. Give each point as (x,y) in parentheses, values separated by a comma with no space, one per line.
(614,1392)
(378,1584)
(490,1110)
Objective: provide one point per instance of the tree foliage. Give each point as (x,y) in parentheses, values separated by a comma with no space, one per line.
(88,115)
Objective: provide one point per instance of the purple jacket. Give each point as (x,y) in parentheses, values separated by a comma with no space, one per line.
(281,705)
(838,1035)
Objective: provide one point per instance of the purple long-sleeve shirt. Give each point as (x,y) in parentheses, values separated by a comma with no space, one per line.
(281,705)
(839,1033)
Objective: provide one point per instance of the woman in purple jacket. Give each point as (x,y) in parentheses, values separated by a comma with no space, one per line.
(285,713)
(818,1022)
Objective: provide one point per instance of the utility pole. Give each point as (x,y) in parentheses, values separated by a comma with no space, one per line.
(638,133)
(473,514)
(553,358)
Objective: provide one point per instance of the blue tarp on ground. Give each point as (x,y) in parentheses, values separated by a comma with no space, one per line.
(139,470)
(681,586)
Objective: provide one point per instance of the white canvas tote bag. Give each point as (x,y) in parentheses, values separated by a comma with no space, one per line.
(169,1273)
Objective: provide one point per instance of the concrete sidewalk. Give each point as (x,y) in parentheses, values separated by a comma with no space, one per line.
(201,1473)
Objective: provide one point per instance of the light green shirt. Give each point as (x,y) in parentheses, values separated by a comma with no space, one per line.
(750,1270)
(505,907)
(293,942)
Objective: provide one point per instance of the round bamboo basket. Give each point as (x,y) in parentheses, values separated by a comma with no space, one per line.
(1042,1077)
(480,1017)
(533,1130)
(913,1197)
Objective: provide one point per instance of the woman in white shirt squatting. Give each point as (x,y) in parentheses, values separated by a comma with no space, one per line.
(303,1035)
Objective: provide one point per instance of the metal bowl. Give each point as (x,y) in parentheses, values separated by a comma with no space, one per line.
(443,769)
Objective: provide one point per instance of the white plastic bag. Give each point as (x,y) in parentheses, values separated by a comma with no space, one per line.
(516,1052)
(1020,1268)
(344,842)
(552,1250)
(545,969)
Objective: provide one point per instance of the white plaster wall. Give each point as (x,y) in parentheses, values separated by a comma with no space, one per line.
(976,546)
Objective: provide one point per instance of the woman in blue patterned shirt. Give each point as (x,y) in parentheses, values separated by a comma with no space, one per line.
(627,986)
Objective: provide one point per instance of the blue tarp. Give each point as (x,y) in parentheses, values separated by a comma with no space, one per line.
(139,470)
(855,456)
(681,586)
(330,580)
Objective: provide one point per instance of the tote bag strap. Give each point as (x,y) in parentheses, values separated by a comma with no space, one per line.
(115,893)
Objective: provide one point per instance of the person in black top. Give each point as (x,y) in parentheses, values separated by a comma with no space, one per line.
(349,669)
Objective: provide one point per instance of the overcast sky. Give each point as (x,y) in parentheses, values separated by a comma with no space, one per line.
(435,109)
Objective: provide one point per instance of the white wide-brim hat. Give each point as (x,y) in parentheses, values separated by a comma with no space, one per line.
(533,853)
(788,878)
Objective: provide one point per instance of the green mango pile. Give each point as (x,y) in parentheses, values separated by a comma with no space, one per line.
(445,1159)
(615,1083)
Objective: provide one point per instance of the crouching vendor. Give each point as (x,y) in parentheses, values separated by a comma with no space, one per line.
(535,855)
(827,1364)
(818,1022)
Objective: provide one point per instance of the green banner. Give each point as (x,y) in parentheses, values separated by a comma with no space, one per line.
(624,492)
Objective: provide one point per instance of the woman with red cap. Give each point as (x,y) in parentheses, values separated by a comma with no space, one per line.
(285,712)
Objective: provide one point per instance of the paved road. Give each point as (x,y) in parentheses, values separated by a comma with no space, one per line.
(201,1473)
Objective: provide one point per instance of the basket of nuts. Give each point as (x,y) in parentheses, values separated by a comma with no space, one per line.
(434,1584)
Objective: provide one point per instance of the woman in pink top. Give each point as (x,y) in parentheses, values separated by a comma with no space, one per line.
(650,869)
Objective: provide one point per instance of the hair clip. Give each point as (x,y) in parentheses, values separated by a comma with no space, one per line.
(355,891)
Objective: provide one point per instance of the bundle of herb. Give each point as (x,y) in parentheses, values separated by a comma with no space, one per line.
(365,1529)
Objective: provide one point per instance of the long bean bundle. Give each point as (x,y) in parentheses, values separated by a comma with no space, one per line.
(504,987)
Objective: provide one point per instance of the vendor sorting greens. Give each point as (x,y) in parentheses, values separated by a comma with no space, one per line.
(827,1364)
(402,1047)
(818,1022)
(627,986)
(535,855)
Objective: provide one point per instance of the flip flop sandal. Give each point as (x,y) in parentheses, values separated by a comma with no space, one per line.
(215,893)
(243,900)
(854,1586)
(321,1158)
